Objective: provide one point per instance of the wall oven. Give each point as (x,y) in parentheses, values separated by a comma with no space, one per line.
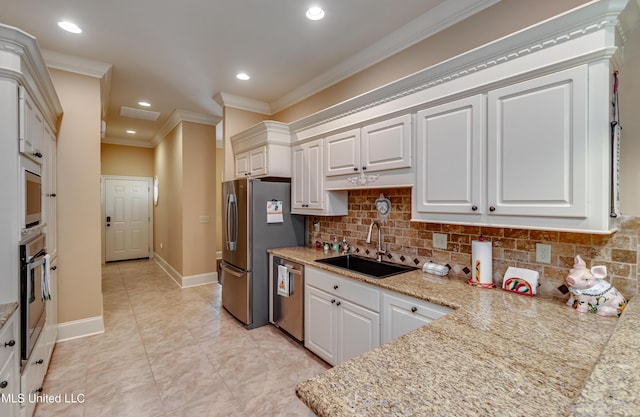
(31,197)
(33,266)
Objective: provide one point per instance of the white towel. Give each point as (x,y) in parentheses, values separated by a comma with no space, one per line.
(46,278)
(283,281)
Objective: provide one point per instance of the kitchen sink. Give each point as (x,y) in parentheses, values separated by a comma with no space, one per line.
(366,266)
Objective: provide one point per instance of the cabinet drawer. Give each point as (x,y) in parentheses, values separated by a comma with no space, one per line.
(34,371)
(361,294)
(7,335)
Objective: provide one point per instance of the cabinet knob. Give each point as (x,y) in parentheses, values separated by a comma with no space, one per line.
(335,287)
(52,195)
(37,154)
(53,268)
(355,168)
(474,208)
(10,343)
(364,168)
(39,390)
(492,208)
(4,384)
(39,362)
(333,301)
(338,303)
(414,309)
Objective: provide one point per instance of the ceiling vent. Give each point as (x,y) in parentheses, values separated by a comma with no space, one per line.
(138,114)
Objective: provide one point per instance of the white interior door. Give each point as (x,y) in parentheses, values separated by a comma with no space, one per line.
(127,219)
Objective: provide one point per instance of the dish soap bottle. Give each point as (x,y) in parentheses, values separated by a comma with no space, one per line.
(336,245)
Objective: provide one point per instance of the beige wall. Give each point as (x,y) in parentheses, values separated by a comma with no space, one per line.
(499,20)
(123,160)
(167,215)
(219,176)
(198,198)
(185,163)
(78,189)
(235,121)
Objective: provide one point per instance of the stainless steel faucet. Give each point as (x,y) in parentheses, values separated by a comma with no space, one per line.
(379,250)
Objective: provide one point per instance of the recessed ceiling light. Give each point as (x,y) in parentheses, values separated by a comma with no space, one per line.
(131,132)
(144,103)
(70,27)
(315,13)
(242,76)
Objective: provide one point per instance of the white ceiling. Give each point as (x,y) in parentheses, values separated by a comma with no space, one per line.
(179,55)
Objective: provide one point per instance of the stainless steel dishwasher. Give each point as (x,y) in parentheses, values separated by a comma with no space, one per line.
(288,311)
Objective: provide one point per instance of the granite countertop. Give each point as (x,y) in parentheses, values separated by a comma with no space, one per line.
(497,354)
(5,312)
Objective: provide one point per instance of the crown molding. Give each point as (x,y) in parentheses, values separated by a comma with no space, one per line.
(178,116)
(597,16)
(243,103)
(83,66)
(30,69)
(435,20)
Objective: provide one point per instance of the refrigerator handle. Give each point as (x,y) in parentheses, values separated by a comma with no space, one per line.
(232,222)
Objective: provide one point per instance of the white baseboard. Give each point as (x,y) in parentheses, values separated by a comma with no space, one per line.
(201,279)
(188,281)
(80,328)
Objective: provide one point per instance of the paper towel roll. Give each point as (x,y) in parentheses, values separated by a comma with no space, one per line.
(482,262)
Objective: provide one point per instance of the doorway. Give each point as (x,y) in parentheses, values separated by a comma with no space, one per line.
(127,218)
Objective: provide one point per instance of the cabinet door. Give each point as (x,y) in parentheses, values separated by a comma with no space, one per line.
(300,177)
(49,202)
(51,325)
(537,161)
(10,388)
(320,324)
(242,164)
(358,330)
(343,153)
(400,315)
(307,180)
(387,144)
(451,155)
(258,161)
(31,128)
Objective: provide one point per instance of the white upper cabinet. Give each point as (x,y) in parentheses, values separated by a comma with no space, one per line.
(537,153)
(32,140)
(381,146)
(263,150)
(308,195)
(451,135)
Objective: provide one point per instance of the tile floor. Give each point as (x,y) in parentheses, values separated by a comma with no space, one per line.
(171,352)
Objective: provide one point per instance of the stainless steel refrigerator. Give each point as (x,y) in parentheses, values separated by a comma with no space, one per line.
(248,232)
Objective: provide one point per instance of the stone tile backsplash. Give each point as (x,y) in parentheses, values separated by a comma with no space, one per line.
(412,243)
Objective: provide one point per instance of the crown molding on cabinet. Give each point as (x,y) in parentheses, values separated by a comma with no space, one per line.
(594,26)
(29,69)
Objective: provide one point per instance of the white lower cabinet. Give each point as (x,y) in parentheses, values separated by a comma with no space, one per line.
(10,367)
(342,318)
(402,314)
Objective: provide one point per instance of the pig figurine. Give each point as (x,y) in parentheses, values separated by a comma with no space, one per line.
(591,293)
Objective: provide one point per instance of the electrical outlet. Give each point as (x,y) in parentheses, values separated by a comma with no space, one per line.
(161,245)
(543,253)
(440,240)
